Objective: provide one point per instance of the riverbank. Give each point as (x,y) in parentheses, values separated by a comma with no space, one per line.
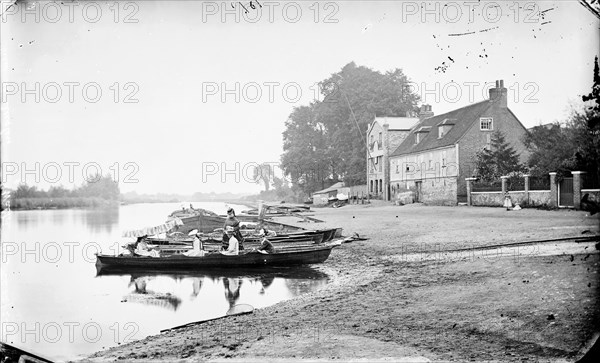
(44,203)
(394,297)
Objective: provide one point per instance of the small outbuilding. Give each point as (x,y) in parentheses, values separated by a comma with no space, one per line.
(322,196)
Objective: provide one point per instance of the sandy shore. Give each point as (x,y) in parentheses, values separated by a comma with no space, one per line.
(396,297)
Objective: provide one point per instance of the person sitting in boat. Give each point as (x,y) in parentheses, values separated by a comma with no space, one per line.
(233,244)
(142,249)
(232,221)
(265,245)
(198,248)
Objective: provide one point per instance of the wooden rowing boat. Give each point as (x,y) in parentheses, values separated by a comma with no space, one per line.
(288,272)
(300,237)
(283,257)
(208,223)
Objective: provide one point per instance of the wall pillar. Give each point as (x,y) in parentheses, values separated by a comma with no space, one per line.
(577,185)
(504,184)
(469,200)
(526,186)
(553,190)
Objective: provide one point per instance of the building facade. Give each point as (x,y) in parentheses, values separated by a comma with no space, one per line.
(439,152)
(384,135)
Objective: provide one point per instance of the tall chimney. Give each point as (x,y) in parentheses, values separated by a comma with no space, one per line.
(425,112)
(499,94)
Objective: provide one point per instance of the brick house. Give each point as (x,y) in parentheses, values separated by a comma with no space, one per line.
(439,152)
(384,135)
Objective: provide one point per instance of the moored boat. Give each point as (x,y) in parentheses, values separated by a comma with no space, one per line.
(207,223)
(283,257)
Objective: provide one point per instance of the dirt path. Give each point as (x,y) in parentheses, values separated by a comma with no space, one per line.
(537,304)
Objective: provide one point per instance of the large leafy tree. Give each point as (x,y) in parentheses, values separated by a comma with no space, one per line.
(588,129)
(551,149)
(498,160)
(307,154)
(326,142)
(574,145)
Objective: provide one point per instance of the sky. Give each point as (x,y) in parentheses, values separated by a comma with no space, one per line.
(187,96)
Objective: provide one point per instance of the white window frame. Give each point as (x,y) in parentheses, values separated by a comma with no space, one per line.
(489,126)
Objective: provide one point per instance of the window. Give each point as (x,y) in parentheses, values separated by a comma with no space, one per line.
(397,168)
(440,132)
(380,163)
(486,124)
(417,138)
(380,141)
(444,158)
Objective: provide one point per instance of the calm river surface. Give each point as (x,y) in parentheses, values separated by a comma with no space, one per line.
(53,301)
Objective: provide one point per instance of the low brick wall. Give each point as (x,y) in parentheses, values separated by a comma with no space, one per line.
(537,198)
(439,191)
(487,199)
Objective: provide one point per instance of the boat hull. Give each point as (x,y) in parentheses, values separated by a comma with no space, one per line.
(250,259)
(207,224)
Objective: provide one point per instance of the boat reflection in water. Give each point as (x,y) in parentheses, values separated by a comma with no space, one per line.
(198,295)
(149,297)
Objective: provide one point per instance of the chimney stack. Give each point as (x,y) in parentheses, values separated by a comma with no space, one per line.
(499,94)
(425,112)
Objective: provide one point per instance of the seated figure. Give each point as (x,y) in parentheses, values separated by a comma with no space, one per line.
(197,250)
(233,247)
(142,249)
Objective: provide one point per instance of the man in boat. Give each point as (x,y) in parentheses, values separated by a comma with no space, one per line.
(233,244)
(232,221)
(265,245)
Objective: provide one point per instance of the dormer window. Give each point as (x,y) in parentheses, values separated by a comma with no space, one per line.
(443,130)
(420,133)
(444,127)
(486,124)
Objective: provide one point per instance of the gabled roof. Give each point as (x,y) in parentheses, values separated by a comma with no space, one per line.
(462,119)
(396,123)
(332,188)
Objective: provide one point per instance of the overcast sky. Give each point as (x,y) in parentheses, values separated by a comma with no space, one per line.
(176,57)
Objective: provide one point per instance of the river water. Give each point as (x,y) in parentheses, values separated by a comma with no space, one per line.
(55,303)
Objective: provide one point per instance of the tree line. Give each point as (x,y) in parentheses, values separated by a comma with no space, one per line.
(97,191)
